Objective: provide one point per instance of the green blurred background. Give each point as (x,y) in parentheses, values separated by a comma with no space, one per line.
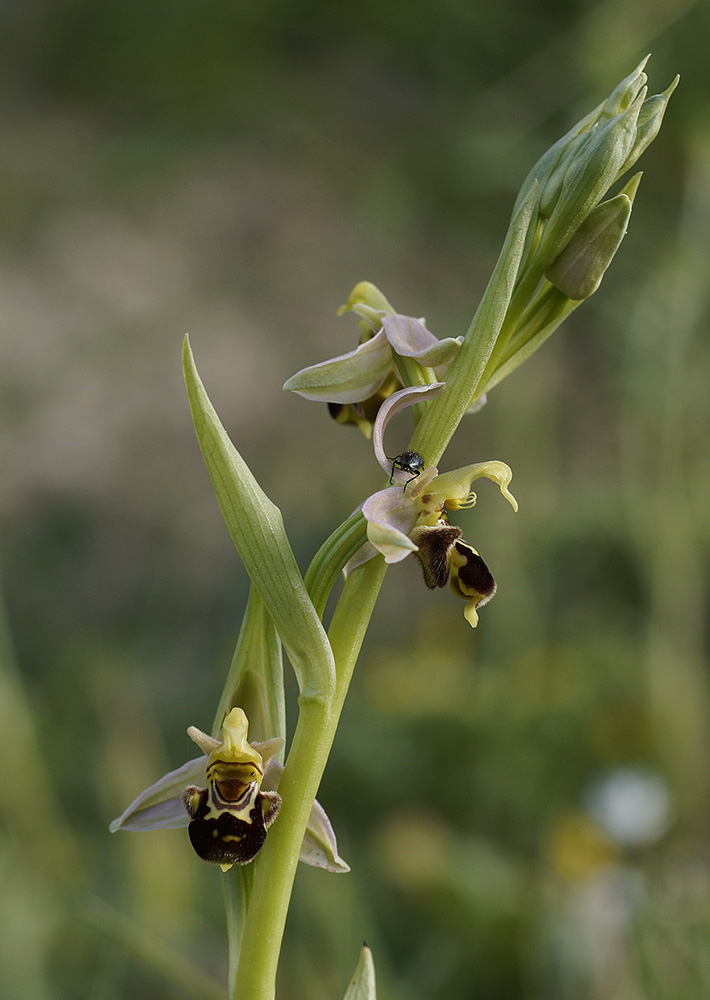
(525,807)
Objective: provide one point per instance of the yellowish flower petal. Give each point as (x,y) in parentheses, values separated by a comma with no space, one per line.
(454,488)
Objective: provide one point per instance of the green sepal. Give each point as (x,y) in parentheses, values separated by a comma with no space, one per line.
(580,267)
(348,378)
(258,532)
(362,985)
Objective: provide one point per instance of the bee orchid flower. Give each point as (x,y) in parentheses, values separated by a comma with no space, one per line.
(415,519)
(356,384)
(227,820)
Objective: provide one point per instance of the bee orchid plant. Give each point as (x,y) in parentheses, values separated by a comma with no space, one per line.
(246,808)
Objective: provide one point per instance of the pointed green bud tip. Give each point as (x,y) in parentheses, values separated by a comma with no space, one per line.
(579,269)
(648,124)
(626,92)
(362,985)
(575,174)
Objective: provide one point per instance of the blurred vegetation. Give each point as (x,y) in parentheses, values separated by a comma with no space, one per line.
(232,170)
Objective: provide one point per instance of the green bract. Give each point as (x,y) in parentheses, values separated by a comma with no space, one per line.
(362,985)
(580,267)
(257,529)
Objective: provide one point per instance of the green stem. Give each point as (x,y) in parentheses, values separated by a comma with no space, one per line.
(327,564)
(236,886)
(275,867)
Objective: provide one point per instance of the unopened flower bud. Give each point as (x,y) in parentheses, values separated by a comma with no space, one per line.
(579,269)
(550,193)
(368,302)
(588,178)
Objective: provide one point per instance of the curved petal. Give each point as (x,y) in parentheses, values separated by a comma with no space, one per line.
(392,405)
(160,806)
(349,378)
(206,743)
(268,749)
(454,488)
(410,338)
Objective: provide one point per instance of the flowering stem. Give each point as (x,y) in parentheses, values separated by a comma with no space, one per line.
(275,868)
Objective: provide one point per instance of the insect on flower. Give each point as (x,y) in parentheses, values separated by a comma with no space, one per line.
(409,462)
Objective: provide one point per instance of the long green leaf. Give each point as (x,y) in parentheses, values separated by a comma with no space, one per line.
(257,530)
